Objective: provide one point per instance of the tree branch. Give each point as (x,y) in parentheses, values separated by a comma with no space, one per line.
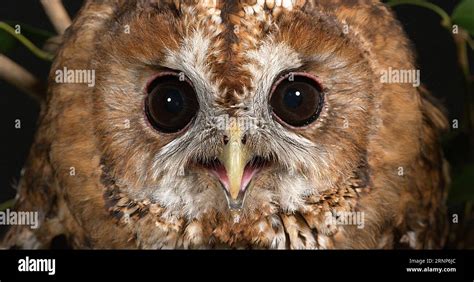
(22,79)
(57,14)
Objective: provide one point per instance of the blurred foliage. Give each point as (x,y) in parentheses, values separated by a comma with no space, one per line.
(462,185)
(29,37)
(463,15)
(26,35)
(6,205)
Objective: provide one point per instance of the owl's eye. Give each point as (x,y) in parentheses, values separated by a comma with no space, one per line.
(298,101)
(171,103)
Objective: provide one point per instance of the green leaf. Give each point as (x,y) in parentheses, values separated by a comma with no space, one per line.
(7,42)
(463,15)
(461,187)
(6,205)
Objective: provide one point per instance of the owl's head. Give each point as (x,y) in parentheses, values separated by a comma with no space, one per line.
(231,108)
(238,110)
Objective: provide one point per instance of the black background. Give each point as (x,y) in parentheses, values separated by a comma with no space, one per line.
(240,265)
(15,143)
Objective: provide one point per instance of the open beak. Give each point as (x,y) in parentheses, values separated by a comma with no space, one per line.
(235,158)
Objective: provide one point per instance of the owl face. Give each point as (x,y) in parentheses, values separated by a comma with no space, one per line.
(236,124)
(238,113)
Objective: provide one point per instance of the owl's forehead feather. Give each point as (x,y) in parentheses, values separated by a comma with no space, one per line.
(227,32)
(249,7)
(233,14)
(231,44)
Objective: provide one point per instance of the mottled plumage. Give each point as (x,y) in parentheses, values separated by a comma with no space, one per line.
(135,187)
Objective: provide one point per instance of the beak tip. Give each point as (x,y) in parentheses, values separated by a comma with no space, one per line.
(235,203)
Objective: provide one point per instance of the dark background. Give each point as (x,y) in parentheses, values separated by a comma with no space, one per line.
(437,60)
(14,104)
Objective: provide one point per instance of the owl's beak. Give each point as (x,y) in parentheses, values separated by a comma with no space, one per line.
(234,158)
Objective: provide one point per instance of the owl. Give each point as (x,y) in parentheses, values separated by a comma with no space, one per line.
(260,124)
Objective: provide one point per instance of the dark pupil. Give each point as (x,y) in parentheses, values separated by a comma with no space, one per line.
(293,98)
(171,104)
(297,102)
(173,101)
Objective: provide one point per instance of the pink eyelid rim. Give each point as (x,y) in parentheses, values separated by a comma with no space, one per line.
(164,73)
(305,74)
(275,85)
